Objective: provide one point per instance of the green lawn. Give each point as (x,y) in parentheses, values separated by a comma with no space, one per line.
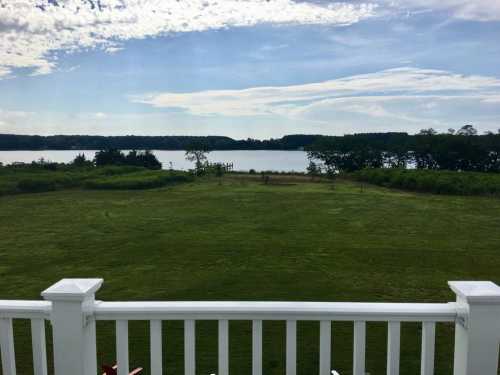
(246,241)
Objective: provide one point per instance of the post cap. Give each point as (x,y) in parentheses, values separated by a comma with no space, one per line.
(479,292)
(72,289)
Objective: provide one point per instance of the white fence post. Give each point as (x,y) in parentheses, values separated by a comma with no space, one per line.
(73,325)
(477,330)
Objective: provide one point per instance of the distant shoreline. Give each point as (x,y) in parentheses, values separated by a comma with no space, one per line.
(13,142)
(140,149)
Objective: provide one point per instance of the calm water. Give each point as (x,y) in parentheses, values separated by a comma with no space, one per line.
(286,161)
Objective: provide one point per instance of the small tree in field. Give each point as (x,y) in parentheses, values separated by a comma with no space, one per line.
(219,170)
(197,153)
(313,169)
(265,177)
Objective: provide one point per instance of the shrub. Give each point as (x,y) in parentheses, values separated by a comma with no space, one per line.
(144,159)
(433,181)
(38,184)
(33,179)
(136,181)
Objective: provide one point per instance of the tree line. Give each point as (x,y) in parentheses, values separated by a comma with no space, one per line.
(461,150)
(90,142)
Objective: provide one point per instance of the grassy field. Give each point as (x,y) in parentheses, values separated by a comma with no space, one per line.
(243,240)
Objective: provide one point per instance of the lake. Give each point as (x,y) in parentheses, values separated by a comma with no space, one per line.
(280,161)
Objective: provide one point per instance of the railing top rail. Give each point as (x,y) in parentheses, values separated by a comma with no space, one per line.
(437,312)
(20,309)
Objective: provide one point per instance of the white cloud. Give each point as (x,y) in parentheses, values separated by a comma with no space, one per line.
(5,114)
(492,99)
(113,50)
(7,118)
(31,31)
(337,115)
(4,71)
(475,10)
(292,100)
(100,116)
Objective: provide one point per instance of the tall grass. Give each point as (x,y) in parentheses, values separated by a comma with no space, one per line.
(142,180)
(430,181)
(29,179)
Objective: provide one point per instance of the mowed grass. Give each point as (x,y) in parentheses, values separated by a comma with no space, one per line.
(243,240)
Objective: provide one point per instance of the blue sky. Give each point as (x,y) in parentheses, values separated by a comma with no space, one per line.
(253,68)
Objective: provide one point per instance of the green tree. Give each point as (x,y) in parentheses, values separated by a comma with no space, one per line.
(197,152)
(109,157)
(467,130)
(144,159)
(313,169)
(81,161)
(429,131)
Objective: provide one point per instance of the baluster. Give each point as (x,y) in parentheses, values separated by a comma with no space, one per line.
(428,347)
(291,347)
(325,343)
(393,343)
(359,348)
(257,347)
(223,347)
(38,346)
(189,347)
(7,347)
(155,337)
(122,347)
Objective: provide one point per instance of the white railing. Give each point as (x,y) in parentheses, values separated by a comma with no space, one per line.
(71,307)
(37,312)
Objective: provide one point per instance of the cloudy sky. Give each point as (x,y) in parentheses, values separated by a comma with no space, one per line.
(248,68)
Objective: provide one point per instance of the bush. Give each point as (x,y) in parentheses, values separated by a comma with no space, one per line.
(144,159)
(432,181)
(118,170)
(40,184)
(33,179)
(136,181)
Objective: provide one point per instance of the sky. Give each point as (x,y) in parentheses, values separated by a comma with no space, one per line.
(248,68)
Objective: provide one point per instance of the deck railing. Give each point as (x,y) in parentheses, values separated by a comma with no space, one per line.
(72,309)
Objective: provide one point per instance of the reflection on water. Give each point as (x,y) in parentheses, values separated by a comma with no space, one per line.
(286,161)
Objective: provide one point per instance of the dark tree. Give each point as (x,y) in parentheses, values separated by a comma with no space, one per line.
(313,169)
(145,159)
(109,157)
(429,131)
(467,130)
(197,152)
(81,161)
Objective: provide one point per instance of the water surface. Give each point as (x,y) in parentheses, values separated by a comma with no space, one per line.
(286,161)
